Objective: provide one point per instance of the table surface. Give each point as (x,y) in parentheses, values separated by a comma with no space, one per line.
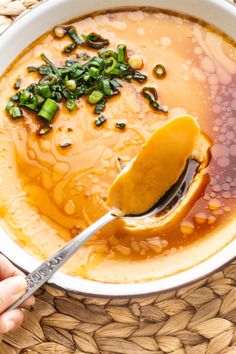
(197,319)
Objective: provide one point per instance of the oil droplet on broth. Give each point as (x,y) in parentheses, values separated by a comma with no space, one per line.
(214,204)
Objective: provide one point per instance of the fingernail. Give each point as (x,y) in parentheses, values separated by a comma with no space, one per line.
(10,326)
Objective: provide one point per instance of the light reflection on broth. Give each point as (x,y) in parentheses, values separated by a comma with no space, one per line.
(68,187)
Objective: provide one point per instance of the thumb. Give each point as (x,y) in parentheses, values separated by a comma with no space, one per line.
(11,289)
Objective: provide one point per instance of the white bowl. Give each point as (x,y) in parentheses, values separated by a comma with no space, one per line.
(41,19)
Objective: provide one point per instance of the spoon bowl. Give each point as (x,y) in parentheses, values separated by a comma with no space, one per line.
(174,195)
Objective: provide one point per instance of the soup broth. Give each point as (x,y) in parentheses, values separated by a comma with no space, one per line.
(53,186)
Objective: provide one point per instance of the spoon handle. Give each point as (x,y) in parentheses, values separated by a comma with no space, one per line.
(41,274)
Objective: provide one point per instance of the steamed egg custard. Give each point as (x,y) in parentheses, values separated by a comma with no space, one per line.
(81,102)
(156,169)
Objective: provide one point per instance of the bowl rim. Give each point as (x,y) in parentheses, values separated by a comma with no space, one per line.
(83,286)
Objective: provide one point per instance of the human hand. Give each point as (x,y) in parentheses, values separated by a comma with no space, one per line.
(12,286)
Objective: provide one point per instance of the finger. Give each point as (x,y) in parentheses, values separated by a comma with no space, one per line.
(11,289)
(29,302)
(10,320)
(7,269)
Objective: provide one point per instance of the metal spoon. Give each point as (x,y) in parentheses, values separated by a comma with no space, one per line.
(169,201)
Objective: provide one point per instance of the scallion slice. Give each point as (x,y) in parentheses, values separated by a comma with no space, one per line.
(106,54)
(71,104)
(100,106)
(95,40)
(150,93)
(44,129)
(48,110)
(121,53)
(95,97)
(94,72)
(16,112)
(106,88)
(71,85)
(101,120)
(111,64)
(120,125)
(72,33)
(24,96)
(17,83)
(159,70)
(138,76)
(44,91)
(9,106)
(49,80)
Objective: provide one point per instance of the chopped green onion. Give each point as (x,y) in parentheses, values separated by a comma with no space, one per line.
(106,54)
(9,106)
(83,56)
(96,78)
(111,64)
(59,31)
(45,91)
(15,98)
(116,72)
(70,85)
(94,72)
(71,104)
(32,69)
(45,70)
(139,76)
(17,83)
(44,129)
(51,65)
(40,99)
(150,93)
(95,97)
(115,83)
(16,112)
(69,48)
(162,108)
(159,70)
(100,106)
(77,74)
(32,104)
(120,125)
(49,80)
(97,62)
(72,33)
(121,53)
(101,120)
(95,41)
(24,96)
(57,96)
(48,109)
(86,77)
(45,58)
(106,88)
(76,40)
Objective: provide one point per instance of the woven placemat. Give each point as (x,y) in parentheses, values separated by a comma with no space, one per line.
(198,319)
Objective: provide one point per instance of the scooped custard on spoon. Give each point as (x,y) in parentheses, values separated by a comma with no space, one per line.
(157,167)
